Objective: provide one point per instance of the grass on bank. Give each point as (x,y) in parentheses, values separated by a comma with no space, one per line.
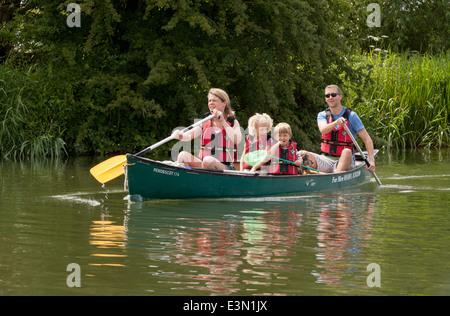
(407,100)
(24,130)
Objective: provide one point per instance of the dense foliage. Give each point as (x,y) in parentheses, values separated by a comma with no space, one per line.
(406,102)
(134,70)
(404,25)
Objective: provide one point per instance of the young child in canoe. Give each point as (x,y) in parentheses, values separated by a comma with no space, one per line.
(285,149)
(259,126)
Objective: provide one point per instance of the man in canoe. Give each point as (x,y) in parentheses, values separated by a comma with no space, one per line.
(219,136)
(337,147)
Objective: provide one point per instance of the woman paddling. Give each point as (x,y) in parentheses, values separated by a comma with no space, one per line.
(219,136)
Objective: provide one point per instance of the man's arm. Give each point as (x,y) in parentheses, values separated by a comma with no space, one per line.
(325,127)
(369,147)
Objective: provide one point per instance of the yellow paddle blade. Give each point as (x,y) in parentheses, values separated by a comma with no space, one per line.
(109,169)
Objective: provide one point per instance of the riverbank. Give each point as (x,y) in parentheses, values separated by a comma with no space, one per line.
(403,102)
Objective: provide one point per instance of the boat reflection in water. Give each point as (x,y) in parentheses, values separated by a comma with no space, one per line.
(342,237)
(273,246)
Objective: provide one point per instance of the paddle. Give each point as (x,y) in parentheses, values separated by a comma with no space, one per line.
(257,157)
(361,152)
(113,167)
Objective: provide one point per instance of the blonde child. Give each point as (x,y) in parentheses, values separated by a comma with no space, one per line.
(259,126)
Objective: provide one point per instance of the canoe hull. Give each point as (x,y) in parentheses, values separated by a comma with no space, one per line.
(149,179)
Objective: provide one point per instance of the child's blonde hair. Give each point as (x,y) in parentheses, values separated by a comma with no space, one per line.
(283,128)
(258,120)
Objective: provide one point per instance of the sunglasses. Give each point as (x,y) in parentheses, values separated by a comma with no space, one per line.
(331,94)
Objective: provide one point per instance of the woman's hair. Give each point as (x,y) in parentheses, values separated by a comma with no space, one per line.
(283,128)
(258,120)
(223,96)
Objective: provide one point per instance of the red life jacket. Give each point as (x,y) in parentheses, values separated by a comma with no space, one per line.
(252,145)
(218,145)
(334,142)
(282,167)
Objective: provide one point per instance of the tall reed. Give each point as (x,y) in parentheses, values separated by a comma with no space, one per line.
(23,131)
(407,100)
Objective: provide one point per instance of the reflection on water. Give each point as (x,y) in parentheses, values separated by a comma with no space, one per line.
(343,233)
(53,214)
(254,247)
(250,241)
(106,234)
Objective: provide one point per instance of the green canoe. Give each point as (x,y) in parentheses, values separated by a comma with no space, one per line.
(149,179)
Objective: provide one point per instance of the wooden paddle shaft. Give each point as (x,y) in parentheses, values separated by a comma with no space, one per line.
(360,151)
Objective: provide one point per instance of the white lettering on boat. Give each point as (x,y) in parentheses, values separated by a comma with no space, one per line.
(346,177)
(166,172)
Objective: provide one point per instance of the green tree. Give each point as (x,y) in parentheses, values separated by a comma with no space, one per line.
(134,70)
(7,10)
(406,25)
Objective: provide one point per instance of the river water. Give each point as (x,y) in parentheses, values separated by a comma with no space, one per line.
(62,233)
